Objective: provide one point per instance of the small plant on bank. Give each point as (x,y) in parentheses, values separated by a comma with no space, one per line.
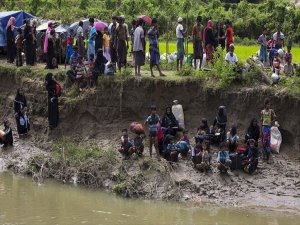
(187,70)
(125,72)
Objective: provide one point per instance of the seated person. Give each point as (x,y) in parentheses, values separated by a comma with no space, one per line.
(223,159)
(73,63)
(6,137)
(220,122)
(172,151)
(232,139)
(124,132)
(250,162)
(169,122)
(184,144)
(253,131)
(127,148)
(138,145)
(231,57)
(203,131)
(201,157)
(24,125)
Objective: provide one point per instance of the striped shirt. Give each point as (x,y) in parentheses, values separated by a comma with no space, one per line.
(80,70)
(74,57)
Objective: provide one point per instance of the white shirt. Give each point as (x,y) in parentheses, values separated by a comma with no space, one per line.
(179,28)
(275,36)
(138,35)
(231,59)
(80,31)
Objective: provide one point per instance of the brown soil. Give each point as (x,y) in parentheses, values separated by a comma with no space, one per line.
(100,114)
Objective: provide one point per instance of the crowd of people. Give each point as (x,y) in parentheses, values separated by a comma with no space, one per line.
(170,140)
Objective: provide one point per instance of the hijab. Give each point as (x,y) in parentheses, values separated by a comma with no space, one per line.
(50,23)
(222,115)
(11,23)
(209,24)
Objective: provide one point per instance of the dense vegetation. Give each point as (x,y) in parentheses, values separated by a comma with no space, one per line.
(250,17)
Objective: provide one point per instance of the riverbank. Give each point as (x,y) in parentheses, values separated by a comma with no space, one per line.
(92,124)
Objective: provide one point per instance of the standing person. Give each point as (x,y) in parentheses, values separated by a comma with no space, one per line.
(278,38)
(198,34)
(122,44)
(69,43)
(46,45)
(80,39)
(220,35)
(152,121)
(91,39)
(131,33)
(153,36)
(288,68)
(180,43)
(209,42)
(98,40)
(20,104)
(28,38)
(19,48)
(113,42)
(11,46)
(53,89)
(138,47)
(267,119)
(2,34)
(229,34)
(51,57)
(263,54)
(106,40)
(80,72)
(34,41)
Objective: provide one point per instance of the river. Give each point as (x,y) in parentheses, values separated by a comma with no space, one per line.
(25,202)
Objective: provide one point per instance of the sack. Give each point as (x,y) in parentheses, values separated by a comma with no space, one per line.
(241,149)
(275,140)
(136,128)
(58,89)
(2,134)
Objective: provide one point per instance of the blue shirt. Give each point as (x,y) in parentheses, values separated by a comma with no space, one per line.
(223,156)
(183,145)
(92,35)
(74,57)
(171,147)
(152,120)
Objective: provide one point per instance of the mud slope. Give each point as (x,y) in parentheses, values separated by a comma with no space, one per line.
(115,102)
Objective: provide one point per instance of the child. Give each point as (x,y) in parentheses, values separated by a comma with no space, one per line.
(231,57)
(172,151)
(288,67)
(80,72)
(73,58)
(19,47)
(90,72)
(138,145)
(24,122)
(106,40)
(205,159)
(124,133)
(7,137)
(232,139)
(223,159)
(250,162)
(126,147)
(276,63)
(184,144)
(152,121)
(267,118)
(203,131)
(69,43)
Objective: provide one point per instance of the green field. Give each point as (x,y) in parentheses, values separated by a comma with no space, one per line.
(243,52)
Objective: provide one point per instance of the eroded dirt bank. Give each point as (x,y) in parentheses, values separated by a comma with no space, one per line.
(100,114)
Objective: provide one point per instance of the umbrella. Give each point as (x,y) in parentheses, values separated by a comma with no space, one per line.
(62,29)
(146,19)
(99,25)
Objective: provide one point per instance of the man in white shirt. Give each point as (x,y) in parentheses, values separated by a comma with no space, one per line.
(180,43)
(138,47)
(231,57)
(278,38)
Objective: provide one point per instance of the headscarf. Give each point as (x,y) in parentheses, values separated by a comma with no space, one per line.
(50,23)
(222,115)
(11,23)
(209,24)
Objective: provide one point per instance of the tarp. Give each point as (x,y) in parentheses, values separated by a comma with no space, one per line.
(75,26)
(4,17)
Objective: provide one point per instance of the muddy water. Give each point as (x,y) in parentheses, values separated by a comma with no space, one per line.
(25,202)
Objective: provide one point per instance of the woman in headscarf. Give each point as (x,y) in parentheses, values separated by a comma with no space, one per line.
(34,41)
(209,42)
(53,114)
(49,45)
(220,35)
(20,105)
(28,37)
(221,121)
(169,122)
(11,46)
(253,132)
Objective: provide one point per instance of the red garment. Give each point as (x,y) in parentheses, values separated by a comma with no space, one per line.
(70,40)
(229,35)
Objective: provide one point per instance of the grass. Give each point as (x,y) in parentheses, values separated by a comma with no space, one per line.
(242,51)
